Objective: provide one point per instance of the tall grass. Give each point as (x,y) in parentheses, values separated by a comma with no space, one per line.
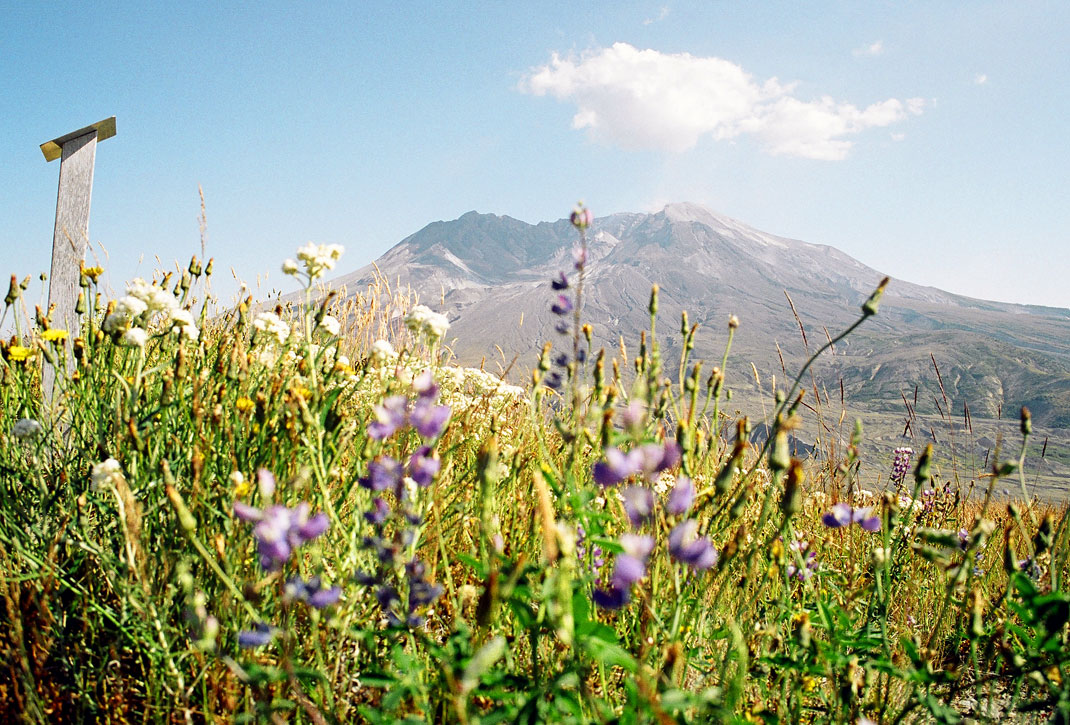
(310,515)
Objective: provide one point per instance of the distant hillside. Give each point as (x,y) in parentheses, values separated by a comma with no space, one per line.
(494,271)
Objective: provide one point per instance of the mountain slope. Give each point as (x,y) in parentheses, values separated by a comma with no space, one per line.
(492,273)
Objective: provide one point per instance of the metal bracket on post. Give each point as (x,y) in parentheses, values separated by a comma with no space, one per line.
(77,153)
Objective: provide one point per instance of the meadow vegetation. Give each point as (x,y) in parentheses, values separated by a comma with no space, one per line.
(308,514)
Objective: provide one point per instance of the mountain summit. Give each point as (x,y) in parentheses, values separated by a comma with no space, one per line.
(492,275)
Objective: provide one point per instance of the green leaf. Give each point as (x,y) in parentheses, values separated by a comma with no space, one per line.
(610,655)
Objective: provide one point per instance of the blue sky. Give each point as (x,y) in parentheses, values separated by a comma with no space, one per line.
(926,139)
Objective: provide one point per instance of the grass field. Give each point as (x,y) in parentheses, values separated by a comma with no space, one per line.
(309,515)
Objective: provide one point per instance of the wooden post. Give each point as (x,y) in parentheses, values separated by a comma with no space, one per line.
(77,153)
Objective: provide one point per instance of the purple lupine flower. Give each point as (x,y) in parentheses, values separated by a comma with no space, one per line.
(616,468)
(612,598)
(553,380)
(842,514)
(628,569)
(424,385)
(379,512)
(809,561)
(429,419)
(560,282)
(422,468)
(685,545)
(265,481)
(654,458)
(638,504)
(383,473)
(311,592)
(562,306)
(581,217)
(257,637)
(561,327)
(680,497)
(280,530)
(389,417)
(633,415)
(579,258)
(901,463)
(561,360)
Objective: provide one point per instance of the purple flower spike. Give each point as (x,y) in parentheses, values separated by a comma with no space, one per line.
(627,570)
(324,597)
(425,386)
(685,545)
(378,513)
(383,473)
(422,467)
(265,481)
(561,327)
(257,637)
(681,496)
(616,468)
(638,504)
(429,420)
(843,514)
(838,517)
(562,306)
(560,282)
(247,513)
(389,417)
(314,527)
(868,523)
(637,545)
(613,598)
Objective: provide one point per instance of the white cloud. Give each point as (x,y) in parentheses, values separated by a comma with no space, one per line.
(980,79)
(645,99)
(872,49)
(662,14)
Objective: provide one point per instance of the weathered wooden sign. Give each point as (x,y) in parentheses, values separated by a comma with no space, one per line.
(77,153)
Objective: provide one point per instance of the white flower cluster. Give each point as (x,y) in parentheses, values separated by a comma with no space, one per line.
(330,325)
(272,325)
(106,473)
(421,320)
(145,299)
(25,429)
(317,258)
(383,352)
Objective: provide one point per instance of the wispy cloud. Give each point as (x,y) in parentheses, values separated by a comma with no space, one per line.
(662,14)
(645,99)
(871,49)
(980,79)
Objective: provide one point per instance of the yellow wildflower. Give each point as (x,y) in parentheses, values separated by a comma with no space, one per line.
(93,272)
(245,404)
(54,335)
(303,392)
(18,353)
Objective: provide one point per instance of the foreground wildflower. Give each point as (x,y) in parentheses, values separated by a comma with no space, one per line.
(18,353)
(687,547)
(649,459)
(319,258)
(280,530)
(271,324)
(628,569)
(25,429)
(54,335)
(843,514)
(106,473)
(421,320)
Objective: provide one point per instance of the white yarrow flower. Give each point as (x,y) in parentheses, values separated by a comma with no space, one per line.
(106,473)
(272,324)
(135,337)
(422,320)
(382,351)
(330,325)
(319,258)
(130,306)
(25,429)
(290,267)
